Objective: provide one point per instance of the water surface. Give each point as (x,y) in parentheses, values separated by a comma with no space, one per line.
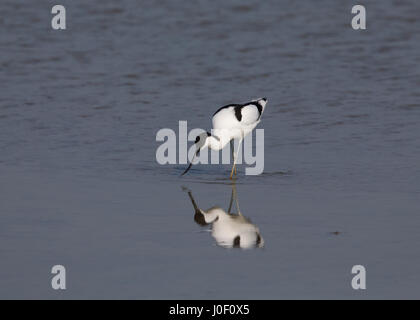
(80,186)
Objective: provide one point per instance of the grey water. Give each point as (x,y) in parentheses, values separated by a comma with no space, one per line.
(79,181)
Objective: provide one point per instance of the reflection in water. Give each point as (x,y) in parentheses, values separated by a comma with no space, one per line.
(230,230)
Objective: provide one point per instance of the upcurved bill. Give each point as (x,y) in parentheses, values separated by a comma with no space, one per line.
(191,163)
(188,168)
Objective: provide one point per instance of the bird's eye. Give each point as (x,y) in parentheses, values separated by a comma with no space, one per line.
(197,139)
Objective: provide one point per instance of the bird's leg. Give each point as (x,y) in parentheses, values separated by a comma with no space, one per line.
(232,149)
(235,158)
(233,169)
(235,194)
(231,201)
(239,147)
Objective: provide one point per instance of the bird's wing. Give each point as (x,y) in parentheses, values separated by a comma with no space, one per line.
(224,118)
(250,114)
(228,106)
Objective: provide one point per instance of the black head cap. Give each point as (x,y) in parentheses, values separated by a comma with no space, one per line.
(199,219)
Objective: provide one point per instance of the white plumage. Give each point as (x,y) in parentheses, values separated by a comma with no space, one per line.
(228,229)
(233,121)
(238,119)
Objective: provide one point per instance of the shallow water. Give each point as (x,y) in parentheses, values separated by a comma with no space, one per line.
(80,186)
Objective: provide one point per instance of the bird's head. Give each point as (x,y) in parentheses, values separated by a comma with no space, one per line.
(201,142)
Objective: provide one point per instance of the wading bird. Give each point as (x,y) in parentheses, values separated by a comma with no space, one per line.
(228,229)
(233,121)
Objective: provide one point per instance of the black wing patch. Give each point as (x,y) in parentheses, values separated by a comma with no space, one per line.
(260,108)
(238,113)
(238,108)
(237,242)
(258,239)
(227,106)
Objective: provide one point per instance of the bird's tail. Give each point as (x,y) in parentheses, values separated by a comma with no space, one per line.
(262,102)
